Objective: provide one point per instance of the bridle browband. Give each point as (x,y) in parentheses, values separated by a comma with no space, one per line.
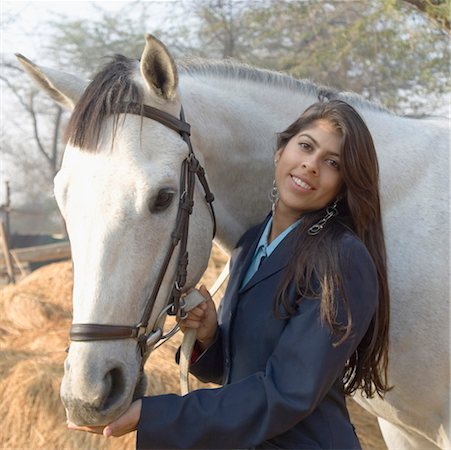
(179,236)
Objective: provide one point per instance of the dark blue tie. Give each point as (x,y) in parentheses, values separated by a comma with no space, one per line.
(262,258)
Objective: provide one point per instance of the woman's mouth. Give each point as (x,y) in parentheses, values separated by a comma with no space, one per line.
(301,183)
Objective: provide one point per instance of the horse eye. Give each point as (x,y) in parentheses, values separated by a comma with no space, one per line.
(162,201)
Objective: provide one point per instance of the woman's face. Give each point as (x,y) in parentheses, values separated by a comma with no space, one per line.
(307,174)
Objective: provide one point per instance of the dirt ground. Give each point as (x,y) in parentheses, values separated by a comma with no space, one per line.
(34,322)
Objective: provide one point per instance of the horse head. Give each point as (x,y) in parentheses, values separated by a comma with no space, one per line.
(119,190)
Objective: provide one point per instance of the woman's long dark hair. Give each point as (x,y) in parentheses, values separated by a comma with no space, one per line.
(318,257)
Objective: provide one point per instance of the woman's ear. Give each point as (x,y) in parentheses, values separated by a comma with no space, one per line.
(277,155)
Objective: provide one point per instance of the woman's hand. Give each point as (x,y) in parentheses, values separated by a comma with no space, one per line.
(202,318)
(123,425)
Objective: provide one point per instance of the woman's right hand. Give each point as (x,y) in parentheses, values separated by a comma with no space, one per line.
(202,318)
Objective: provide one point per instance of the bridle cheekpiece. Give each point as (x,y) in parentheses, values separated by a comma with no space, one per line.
(190,169)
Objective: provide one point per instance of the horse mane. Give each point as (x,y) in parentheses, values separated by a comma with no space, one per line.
(113,89)
(230,69)
(110,92)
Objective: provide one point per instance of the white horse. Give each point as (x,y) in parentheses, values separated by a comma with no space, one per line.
(119,207)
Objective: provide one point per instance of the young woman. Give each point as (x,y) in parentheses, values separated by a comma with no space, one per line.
(304,320)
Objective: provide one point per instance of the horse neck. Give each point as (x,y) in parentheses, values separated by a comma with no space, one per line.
(234,123)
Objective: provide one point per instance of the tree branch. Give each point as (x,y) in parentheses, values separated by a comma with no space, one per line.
(14,91)
(436,9)
(36,132)
(56,129)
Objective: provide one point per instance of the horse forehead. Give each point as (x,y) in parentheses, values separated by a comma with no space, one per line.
(134,153)
(96,168)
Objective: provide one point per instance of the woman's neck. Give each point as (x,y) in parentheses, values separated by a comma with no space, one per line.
(280,222)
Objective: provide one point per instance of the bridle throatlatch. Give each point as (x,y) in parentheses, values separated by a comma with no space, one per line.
(175,305)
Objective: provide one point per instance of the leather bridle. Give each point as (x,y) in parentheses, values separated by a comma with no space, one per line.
(175,304)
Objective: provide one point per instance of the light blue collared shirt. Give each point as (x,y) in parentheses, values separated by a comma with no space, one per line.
(264,249)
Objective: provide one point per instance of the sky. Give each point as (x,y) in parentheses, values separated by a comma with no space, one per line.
(32,14)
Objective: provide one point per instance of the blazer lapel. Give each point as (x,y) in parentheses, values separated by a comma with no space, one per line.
(243,258)
(275,262)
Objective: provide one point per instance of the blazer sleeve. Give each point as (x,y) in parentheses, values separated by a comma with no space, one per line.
(209,366)
(301,370)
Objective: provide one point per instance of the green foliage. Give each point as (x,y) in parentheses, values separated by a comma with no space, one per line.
(439,10)
(385,50)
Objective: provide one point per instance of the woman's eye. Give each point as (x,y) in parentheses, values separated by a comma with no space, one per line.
(305,146)
(333,163)
(162,201)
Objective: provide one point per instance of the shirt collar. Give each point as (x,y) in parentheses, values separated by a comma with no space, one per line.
(266,249)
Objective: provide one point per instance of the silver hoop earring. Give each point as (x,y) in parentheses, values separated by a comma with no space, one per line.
(331,211)
(274,197)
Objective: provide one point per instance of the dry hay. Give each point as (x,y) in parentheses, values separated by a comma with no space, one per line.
(33,416)
(34,322)
(29,391)
(53,283)
(35,318)
(38,302)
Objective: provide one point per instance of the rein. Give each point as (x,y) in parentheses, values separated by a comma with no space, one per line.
(190,169)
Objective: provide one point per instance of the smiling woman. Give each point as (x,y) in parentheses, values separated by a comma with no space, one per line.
(333,171)
(307,170)
(317,305)
(319,300)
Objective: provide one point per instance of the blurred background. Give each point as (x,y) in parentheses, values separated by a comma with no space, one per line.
(394,52)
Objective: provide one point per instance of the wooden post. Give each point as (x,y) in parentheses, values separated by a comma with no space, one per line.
(5,210)
(23,270)
(39,253)
(7,206)
(6,252)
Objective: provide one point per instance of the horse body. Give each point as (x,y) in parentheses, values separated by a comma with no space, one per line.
(234,113)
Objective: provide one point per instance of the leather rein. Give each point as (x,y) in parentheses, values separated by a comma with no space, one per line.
(175,305)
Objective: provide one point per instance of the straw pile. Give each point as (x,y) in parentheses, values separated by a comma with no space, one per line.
(35,316)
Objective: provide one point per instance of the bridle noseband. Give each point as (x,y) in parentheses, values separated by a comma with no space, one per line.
(190,169)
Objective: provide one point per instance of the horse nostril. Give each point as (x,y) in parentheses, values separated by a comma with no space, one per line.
(114,387)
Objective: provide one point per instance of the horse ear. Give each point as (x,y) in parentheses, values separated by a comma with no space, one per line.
(64,88)
(158,68)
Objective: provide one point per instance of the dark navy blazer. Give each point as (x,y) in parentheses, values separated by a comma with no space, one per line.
(282,378)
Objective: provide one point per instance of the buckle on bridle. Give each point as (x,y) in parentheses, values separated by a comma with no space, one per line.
(141,331)
(153,337)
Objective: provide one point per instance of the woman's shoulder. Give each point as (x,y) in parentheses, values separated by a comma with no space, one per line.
(348,239)
(359,279)
(353,252)
(252,233)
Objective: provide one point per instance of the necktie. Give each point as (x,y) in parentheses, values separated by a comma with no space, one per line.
(262,258)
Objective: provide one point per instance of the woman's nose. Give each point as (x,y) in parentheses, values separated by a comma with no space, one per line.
(310,165)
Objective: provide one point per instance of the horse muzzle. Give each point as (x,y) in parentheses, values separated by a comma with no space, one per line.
(98,387)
